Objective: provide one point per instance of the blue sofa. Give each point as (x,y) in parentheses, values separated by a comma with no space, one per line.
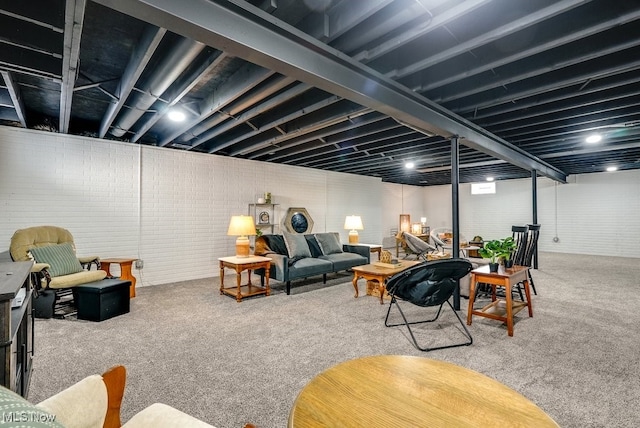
(302,256)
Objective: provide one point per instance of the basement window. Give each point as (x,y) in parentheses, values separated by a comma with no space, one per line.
(483,188)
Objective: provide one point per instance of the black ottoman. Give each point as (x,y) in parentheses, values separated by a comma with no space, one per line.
(101,300)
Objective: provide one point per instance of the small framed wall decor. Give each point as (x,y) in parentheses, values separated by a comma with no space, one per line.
(263,218)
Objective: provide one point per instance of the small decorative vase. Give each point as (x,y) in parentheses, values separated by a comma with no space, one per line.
(267,197)
(508,264)
(261,200)
(385,256)
(493,267)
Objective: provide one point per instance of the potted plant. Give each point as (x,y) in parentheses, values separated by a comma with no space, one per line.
(508,246)
(492,250)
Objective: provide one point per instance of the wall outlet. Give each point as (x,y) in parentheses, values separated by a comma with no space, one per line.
(139,264)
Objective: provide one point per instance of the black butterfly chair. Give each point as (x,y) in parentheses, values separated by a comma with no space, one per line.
(417,246)
(428,284)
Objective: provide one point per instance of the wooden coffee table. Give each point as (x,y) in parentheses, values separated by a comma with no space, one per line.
(378,274)
(406,391)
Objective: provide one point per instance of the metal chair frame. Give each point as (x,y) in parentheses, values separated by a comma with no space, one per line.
(463,266)
(417,246)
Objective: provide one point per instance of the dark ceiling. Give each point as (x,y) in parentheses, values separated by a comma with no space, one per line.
(356,86)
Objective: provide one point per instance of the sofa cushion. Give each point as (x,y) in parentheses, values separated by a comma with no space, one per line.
(297,246)
(344,261)
(61,258)
(77,278)
(160,415)
(313,245)
(74,410)
(309,266)
(329,243)
(15,409)
(275,243)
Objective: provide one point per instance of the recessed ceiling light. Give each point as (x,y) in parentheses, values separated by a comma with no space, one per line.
(409,165)
(612,168)
(489,178)
(177,116)
(593,138)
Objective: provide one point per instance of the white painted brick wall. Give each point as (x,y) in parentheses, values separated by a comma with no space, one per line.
(172,208)
(592,214)
(167,207)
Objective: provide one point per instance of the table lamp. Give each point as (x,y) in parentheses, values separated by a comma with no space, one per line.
(416,228)
(242,226)
(405,223)
(425,228)
(354,223)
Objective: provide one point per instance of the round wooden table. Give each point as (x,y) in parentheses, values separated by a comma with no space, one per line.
(405,391)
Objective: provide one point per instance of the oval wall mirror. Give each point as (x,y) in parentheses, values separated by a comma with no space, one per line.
(299,222)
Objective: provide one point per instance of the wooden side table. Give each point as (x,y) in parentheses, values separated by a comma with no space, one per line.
(125,271)
(240,264)
(501,310)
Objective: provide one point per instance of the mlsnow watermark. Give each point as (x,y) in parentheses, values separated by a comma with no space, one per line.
(27,416)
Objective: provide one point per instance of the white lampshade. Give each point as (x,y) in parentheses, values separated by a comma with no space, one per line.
(405,223)
(353,223)
(242,226)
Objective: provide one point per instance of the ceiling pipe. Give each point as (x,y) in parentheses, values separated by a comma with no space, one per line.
(249,33)
(171,67)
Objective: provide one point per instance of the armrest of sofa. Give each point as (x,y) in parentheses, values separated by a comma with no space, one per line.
(93,402)
(279,267)
(358,249)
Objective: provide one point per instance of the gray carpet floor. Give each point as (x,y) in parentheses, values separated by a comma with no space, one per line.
(230,363)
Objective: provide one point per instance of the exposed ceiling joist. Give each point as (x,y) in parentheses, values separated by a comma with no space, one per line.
(14,93)
(141,56)
(258,38)
(74,18)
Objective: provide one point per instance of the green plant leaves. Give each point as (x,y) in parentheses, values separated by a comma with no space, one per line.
(497,248)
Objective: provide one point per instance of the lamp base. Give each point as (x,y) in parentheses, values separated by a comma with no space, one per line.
(242,246)
(353,237)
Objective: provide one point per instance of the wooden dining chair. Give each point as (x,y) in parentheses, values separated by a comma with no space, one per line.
(531,249)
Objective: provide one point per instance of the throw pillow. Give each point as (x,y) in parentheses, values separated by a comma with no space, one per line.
(16,411)
(276,244)
(329,243)
(313,245)
(61,258)
(296,245)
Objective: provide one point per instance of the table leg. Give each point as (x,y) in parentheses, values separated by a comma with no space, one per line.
(221,277)
(381,290)
(509,303)
(105,267)
(266,276)
(355,284)
(239,281)
(125,274)
(472,297)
